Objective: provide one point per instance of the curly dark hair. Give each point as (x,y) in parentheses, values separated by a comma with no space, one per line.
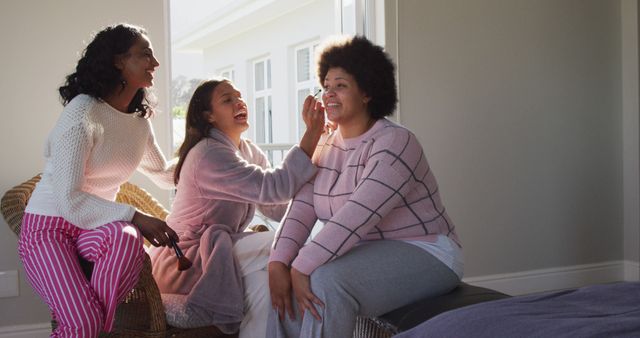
(96,74)
(370,66)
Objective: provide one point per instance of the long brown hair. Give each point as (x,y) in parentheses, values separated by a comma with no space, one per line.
(197,126)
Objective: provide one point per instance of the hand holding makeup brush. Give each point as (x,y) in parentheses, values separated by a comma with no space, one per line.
(183,262)
(155,230)
(313,116)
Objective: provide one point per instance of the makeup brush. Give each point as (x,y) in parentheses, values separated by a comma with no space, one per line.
(183,262)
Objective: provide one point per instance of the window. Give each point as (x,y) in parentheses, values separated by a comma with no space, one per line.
(223,37)
(262,101)
(305,79)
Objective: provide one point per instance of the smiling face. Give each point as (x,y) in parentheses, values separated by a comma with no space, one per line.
(138,64)
(345,103)
(228,111)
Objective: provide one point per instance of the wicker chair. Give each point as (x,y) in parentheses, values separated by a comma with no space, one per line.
(141,314)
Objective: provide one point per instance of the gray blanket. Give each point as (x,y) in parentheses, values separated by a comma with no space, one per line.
(611,310)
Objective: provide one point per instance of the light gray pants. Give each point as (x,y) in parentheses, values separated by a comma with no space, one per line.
(370,280)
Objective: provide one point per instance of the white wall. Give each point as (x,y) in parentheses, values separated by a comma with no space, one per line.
(41,41)
(518,105)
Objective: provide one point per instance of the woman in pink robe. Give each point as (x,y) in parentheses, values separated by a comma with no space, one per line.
(221,179)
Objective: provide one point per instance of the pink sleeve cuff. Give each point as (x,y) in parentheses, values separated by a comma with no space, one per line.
(286,251)
(304,265)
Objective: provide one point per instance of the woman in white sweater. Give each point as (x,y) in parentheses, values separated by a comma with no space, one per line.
(101,137)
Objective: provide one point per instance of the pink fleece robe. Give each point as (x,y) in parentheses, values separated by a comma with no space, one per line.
(220,186)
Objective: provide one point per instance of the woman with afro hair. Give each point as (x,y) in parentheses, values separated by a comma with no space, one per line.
(387,240)
(101,137)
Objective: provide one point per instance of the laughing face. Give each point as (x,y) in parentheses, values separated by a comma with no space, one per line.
(228,111)
(138,64)
(345,103)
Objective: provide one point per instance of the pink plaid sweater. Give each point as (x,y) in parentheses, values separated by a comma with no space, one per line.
(371,187)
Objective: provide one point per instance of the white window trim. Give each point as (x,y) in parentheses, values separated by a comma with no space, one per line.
(230,70)
(309,84)
(265,93)
(369,18)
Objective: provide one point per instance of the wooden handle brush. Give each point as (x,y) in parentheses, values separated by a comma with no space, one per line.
(183,262)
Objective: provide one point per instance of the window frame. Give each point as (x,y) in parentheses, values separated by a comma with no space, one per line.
(230,71)
(310,85)
(266,94)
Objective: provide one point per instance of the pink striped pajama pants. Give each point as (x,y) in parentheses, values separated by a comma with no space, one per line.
(49,248)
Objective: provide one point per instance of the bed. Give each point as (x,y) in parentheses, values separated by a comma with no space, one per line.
(609,310)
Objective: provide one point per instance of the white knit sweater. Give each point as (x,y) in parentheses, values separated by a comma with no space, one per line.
(90,152)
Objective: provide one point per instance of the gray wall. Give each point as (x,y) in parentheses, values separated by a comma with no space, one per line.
(41,41)
(518,105)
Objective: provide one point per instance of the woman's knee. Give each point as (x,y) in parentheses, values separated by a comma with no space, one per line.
(117,239)
(127,234)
